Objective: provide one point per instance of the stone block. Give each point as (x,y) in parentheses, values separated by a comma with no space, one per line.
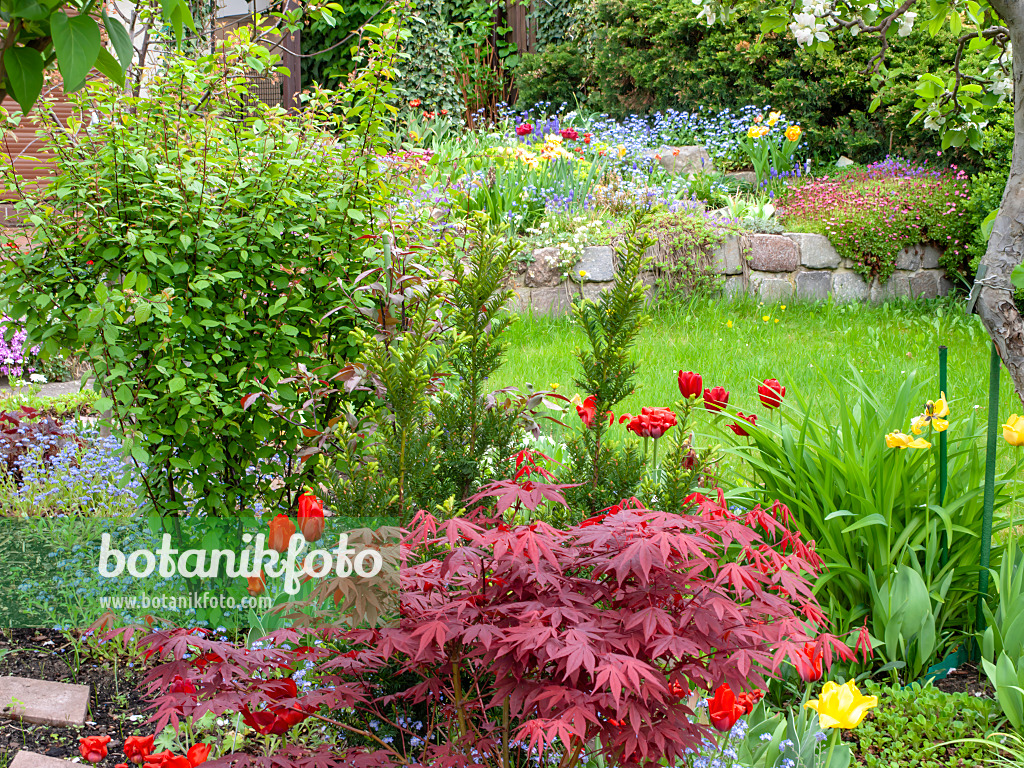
(816,252)
(598,262)
(896,287)
(924,284)
(909,258)
(945,285)
(43,702)
(773,253)
(930,256)
(685,160)
(770,287)
(726,258)
(34,760)
(746,176)
(813,286)
(550,301)
(593,291)
(849,286)
(735,285)
(545,270)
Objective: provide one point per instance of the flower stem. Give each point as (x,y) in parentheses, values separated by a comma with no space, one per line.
(831,747)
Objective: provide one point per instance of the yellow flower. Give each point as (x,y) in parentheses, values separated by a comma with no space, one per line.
(783,306)
(900,440)
(934,410)
(841,706)
(728,324)
(776,319)
(553,386)
(415,136)
(1013,430)
(583,273)
(576,400)
(793,132)
(553,138)
(757,131)
(773,117)
(766,318)
(622,150)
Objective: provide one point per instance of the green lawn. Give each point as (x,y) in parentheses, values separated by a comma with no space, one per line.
(806,346)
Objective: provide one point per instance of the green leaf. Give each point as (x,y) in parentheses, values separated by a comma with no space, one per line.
(142,313)
(119,39)
(109,66)
(176,384)
(1017,276)
(872,519)
(24,75)
(76,41)
(31,10)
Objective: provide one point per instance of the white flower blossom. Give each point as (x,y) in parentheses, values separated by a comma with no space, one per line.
(37,378)
(906,24)
(934,122)
(1003,87)
(806,29)
(708,13)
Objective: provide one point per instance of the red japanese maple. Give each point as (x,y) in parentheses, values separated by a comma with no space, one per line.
(527,639)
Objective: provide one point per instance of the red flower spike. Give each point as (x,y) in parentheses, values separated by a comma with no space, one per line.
(690,384)
(771,393)
(716,398)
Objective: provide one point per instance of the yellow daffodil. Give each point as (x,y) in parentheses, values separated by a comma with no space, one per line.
(934,410)
(900,440)
(1013,430)
(793,132)
(773,117)
(841,706)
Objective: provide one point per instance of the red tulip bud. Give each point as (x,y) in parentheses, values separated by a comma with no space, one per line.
(281,531)
(690,384)
(771,393)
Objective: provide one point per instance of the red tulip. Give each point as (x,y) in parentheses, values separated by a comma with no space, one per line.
(159,759)
(138,748)
(276,719)
(524,129)
(652,422)
(749,700)
(771,393)
(588,410)
(740,430)
(690,384)
(93,748)
(808,663)
(281,531)
(311,517)
(197,754)
(414,103)
(569,134)
(723,708)
(716,398)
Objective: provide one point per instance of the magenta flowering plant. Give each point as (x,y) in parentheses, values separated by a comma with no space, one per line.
(869,215)
(14,362)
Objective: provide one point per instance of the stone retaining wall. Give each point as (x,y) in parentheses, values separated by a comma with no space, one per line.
(775,268)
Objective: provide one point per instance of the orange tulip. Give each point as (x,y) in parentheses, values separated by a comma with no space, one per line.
(281,531)
(257,584)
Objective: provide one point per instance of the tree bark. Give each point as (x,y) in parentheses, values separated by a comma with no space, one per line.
(1006,244)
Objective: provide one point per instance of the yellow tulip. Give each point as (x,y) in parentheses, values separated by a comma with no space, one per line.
(934,410)
(793,132)
(841,706)
(622,150)
(773,117)
(1013,430)
(900,440)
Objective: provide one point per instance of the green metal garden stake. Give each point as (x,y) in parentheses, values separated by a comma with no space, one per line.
(990,483)
(943,458)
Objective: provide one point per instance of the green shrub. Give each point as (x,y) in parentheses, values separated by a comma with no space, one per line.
(909,724)
(640,55)
(193,241)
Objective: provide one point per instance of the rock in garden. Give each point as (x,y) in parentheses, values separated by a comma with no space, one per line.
(43,702)
(596,266)
(545,270)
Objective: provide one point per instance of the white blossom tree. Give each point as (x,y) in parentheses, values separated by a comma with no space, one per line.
(952,101)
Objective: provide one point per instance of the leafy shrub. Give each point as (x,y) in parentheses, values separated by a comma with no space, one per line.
(639,55)
(870,215)
(196,251)
(909,723)
(519,641)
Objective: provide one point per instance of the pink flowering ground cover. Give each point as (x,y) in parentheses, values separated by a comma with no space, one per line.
(872,213)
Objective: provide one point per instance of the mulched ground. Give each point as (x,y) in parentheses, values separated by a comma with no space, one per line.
(116,709)
(967,678)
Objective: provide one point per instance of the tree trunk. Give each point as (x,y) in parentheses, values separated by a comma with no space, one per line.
(1006,244)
